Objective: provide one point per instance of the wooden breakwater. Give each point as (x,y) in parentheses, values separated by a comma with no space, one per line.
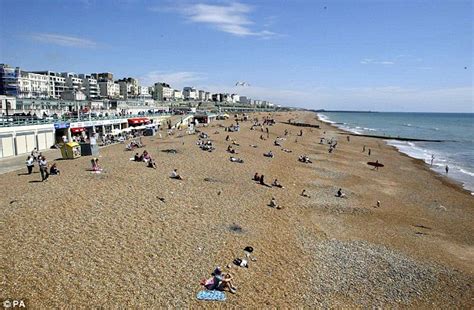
(299,124)
(395,138)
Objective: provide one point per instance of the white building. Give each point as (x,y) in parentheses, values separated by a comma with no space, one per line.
(90,86)
(201,95)
(109,89)
(33,85)
(177,94)
(163,92)
(190,93)
(129,87)
(57,83)
(73,81)
(207,96)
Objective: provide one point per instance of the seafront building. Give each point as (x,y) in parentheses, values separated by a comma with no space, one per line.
(38,108)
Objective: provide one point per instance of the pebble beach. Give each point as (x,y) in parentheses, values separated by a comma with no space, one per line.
(133,237)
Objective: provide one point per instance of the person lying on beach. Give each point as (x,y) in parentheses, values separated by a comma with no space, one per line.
(276,184)
(151,163)
(340,194)
(54,170)
(276,143)
(227,138)
(304,159)
(236,160)
(262,138)
(175,175)
(253,145)
(269,154)
(321,141)
(234,142)
(287,150)
(303,193)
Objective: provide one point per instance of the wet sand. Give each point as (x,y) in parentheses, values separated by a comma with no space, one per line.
(84,239)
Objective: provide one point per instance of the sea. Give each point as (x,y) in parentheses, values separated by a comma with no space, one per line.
(455,129)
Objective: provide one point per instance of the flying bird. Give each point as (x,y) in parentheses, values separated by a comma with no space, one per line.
(242,83)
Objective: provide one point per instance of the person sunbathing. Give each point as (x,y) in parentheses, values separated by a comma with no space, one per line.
(269,154)
(175,175)
(220,281)
(145,156)
(303,193)
(287,150)
(151,163)
(276,184)
(276,143)
(95,165)
(236,160)
(273,204)
(340,194)
(54,170)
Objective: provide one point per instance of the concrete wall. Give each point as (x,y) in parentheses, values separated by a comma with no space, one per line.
(22,140)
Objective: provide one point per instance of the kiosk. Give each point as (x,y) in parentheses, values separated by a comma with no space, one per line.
(71,150)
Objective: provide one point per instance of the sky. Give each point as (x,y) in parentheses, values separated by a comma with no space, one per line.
(385,55)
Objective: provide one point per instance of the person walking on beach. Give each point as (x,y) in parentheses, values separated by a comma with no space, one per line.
(43,165)
(432,159)
(447,169)
(30,164)
(370,151)
(363,149)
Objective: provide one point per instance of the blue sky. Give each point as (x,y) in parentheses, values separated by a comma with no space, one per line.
(354,55)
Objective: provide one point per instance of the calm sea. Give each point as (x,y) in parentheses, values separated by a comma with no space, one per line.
(458,128)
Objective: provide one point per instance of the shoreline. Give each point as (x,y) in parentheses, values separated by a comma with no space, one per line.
(448,180)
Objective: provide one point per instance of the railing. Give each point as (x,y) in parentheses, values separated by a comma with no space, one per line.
(70,119)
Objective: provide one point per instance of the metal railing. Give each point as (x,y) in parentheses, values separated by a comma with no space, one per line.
(71,119)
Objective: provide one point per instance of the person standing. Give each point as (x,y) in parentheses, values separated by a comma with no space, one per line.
(432,159)
(30,163)
(43,164)
(447,169)
(370,151)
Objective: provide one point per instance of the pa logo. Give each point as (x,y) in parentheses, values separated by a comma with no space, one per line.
(7,304)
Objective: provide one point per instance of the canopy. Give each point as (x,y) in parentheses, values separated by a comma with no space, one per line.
(77,130)
(138,120)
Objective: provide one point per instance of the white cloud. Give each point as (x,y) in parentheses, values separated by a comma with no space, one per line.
(368,61)
(63,40)
(231,18)
(175,79)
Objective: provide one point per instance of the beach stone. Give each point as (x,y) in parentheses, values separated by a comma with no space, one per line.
(371,275)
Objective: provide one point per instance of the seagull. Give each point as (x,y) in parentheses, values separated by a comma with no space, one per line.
(242,83)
